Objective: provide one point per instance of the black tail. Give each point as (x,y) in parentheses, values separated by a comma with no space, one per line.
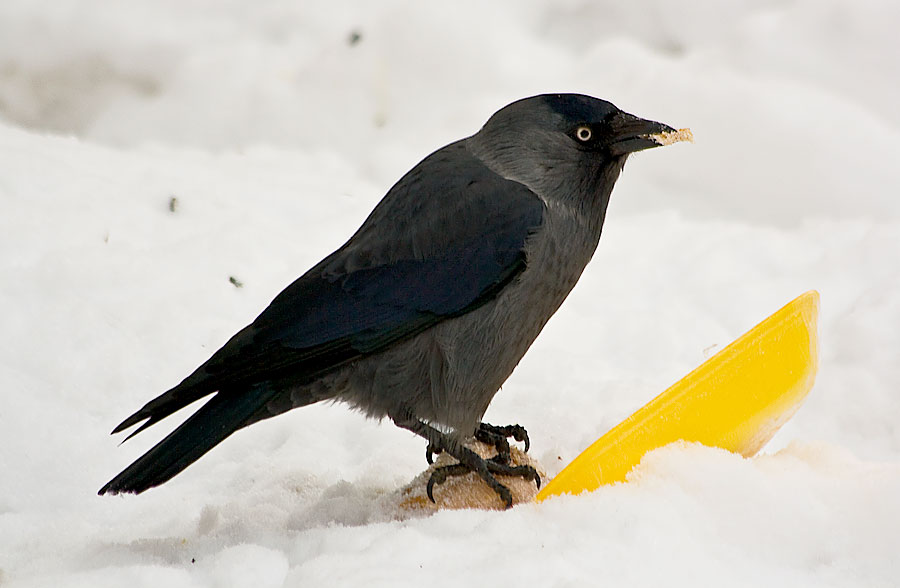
(224,414)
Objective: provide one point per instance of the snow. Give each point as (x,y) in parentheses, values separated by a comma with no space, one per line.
(277,135)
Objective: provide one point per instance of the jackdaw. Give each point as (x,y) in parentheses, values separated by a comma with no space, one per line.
(428,308)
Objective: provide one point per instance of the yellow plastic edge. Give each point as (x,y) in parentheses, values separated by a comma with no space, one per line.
(735,400)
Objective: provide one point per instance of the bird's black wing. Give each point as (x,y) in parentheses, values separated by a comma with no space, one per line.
(445,240)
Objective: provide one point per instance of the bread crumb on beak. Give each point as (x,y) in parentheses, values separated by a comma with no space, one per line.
(670,137)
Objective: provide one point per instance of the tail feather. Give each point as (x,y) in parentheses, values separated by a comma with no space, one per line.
(224,414)
(191,389)
(202,382)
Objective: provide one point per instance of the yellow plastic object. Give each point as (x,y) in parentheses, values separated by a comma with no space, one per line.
(735,400)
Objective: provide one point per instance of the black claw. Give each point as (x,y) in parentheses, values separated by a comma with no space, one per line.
(440,475)
(505,496)
(431,451)
(525,471)
(517,432)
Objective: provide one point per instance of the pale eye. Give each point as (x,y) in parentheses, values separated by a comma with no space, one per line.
(583,134)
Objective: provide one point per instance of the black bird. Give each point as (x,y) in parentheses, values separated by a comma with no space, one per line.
(428,308)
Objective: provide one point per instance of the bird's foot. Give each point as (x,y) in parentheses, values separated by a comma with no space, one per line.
(469,461)
(496,436)
(490,435)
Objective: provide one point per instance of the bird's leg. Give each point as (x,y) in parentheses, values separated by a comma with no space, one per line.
(469,461)
(496,436)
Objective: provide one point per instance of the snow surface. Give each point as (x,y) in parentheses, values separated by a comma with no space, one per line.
(276,134)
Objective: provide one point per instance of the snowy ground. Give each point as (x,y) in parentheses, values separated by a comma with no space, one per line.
(277,133)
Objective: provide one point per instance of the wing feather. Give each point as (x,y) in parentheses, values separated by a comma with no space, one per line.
(437,246)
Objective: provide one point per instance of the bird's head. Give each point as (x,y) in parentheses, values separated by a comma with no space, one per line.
(565,143)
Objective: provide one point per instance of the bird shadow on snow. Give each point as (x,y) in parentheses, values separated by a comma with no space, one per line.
(352,505)
(272,513)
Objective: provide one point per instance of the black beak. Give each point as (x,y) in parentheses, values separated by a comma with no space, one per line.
(631,133)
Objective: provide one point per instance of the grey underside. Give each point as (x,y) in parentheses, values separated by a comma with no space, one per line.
(448,374)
